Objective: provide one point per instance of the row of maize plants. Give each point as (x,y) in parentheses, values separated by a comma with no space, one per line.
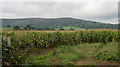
(50,39)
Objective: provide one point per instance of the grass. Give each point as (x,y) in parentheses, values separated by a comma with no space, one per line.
(69,27)
(72,55)
(7,28)
(108,52)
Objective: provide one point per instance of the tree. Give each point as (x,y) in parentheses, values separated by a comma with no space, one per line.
(52,29)
(27,27)
(72,29)
(61,28)
(46,28)
(16,27)
(33,28)
(39,29)
(8,26)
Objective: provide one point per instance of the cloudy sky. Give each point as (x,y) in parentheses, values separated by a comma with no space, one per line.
(102,11)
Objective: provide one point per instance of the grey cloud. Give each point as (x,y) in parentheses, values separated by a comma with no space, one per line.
(98,11)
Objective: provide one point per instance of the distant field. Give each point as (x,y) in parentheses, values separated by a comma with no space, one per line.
(76,28)
(69,27)
(7,28)
(65,28)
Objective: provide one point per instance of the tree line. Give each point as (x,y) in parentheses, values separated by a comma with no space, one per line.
(29,27)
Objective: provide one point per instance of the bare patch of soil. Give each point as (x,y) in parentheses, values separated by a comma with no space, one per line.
(40,51)
(96,62)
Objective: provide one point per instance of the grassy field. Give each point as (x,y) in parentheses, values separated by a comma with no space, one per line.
(65,28)
(7,28)
(75,28)
(84,47)
(69,27)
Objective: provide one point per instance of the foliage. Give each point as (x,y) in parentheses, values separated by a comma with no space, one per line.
(36,60)
(108,52)
(28,27)
(70,64)
(69,54)
(8,26)
(61,28)
(105,56)
(11,54)
(16,27)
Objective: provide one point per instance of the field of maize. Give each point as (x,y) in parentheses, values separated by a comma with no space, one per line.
(53,38)
(15,43)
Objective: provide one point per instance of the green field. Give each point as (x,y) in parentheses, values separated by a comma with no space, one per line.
(7,28)
(70,27)
(84,47)
(76,28)
(65,28)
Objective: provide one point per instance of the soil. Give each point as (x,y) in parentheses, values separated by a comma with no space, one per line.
(40,51)
(96,62)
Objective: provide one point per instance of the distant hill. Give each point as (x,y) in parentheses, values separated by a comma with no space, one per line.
(57,22)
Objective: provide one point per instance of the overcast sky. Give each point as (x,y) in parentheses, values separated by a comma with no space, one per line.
(102,11)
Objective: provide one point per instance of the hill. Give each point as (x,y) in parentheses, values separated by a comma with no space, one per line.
(57,22)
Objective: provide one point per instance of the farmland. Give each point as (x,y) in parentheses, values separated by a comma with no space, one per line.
(83,47)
